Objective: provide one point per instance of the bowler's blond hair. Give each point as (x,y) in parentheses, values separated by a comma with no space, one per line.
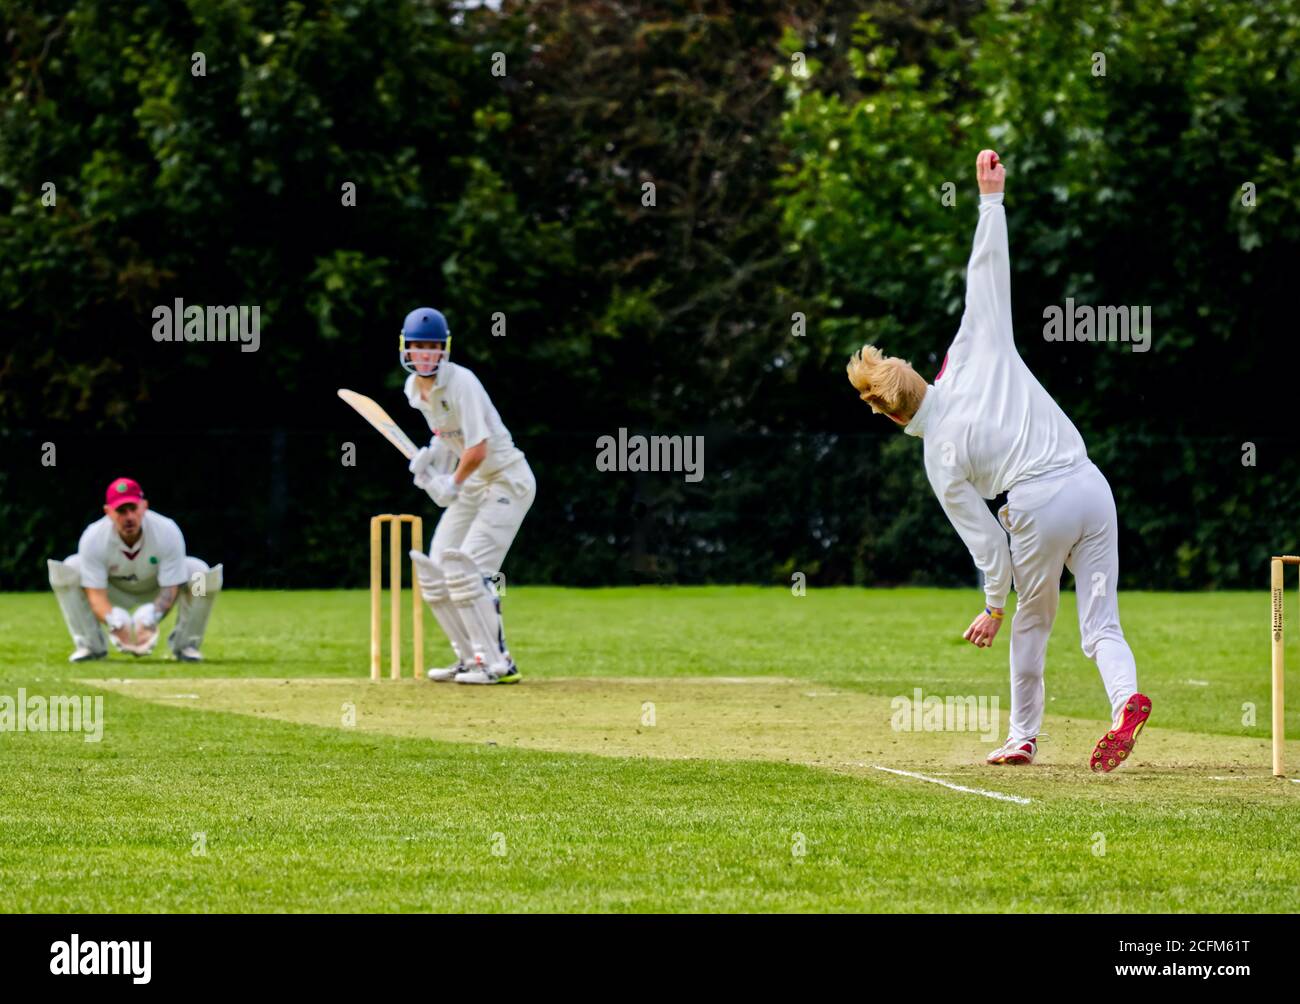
(888,384)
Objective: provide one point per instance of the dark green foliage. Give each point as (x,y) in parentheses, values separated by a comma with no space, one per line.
(521,196)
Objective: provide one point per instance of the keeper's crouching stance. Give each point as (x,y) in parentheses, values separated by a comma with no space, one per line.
(133,558)
(472,469)
(989,427)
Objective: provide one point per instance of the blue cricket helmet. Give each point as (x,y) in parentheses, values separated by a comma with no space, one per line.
(424,324)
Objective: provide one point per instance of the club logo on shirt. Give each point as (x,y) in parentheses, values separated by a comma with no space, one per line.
(153,559)
(446,406)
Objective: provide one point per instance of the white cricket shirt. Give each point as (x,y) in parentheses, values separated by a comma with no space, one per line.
(461,413)
(156,560)
(988,424)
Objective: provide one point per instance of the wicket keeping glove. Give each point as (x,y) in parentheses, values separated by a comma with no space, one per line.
(119,620)
(145,616)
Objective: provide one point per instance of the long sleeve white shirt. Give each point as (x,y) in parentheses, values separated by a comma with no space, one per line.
(987,423)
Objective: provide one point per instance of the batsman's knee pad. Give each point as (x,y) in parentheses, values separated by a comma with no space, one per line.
(463,578)
(433,584)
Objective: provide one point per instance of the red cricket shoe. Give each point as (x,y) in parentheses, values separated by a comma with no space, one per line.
(1114,747)
(1015,753)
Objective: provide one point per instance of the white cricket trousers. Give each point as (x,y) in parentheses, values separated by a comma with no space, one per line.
(1067,520)
(192,609)
(482,522)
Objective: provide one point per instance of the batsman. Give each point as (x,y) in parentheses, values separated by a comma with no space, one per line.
(990,427)
(475,473)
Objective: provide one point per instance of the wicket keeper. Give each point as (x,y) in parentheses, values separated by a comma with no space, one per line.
(473,470)
(133,557)
(990,427)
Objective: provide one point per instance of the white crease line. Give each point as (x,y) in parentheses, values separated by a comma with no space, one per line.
(1001,796)
(1252,777)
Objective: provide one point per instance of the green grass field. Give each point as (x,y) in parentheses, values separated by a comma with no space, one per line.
(691,749)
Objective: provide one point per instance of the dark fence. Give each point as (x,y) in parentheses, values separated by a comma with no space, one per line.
(280,509)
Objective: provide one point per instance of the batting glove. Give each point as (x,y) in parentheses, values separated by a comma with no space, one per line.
(444,489)
(424,481)
(428,457)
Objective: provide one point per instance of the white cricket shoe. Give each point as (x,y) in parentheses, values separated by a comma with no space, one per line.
(189,654)
(446,674)
(83,654)
(483,675)
(1016,752)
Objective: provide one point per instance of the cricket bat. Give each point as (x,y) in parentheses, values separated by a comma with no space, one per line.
(380,419)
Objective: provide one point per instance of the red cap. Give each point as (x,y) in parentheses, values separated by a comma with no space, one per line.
(122,491)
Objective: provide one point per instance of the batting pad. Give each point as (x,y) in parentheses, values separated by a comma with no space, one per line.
(478,608)
(433,587)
